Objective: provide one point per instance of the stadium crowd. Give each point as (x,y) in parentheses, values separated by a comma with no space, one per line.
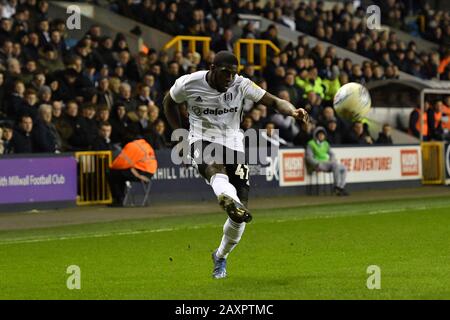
(343,26)
(96,95)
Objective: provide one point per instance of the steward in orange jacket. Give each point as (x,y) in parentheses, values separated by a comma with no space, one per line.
(136,162)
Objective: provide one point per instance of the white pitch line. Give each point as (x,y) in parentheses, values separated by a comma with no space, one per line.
(128,233)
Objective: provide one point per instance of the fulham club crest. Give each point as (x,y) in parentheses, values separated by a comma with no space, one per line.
(228,96)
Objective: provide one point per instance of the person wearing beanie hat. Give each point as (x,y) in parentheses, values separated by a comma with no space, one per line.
(319,157)
(45,94)
(334,135)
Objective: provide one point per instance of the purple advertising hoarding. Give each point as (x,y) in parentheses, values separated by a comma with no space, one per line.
(32,180)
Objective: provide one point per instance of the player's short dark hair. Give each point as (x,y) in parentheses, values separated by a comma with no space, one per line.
(225,58)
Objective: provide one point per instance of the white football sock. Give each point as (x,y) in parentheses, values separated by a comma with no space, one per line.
(221,184)
(232,233)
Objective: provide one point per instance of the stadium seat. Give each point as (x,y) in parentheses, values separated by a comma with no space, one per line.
(137,194)
(314,187)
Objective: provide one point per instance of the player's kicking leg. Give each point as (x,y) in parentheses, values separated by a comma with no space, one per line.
(238,216)
(228,198)
(219,176)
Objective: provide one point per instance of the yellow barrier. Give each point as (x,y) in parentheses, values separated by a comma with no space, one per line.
(433,163)
(251,51)
(93,187)
(178,43)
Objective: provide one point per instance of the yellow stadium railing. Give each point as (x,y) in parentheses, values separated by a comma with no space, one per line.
(250,44)
(177,42)
(93,168)
(433,163)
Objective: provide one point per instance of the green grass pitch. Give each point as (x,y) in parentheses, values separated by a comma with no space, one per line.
(310,252)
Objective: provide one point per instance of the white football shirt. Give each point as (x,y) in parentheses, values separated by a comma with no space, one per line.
(215,116)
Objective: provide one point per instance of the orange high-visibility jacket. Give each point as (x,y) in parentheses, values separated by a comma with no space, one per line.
(446,124)
(425,123)
(137,154)
(437,119)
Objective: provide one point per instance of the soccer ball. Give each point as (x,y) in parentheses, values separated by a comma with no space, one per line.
(352,101)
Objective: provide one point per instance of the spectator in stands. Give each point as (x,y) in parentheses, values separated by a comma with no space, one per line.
(120,123)
(2,148)
(313,105)
(103,141)
(15,101)
(72,129)
(104,94)
(57,108)
(446,118)
(385,136)
(142,123)
(51,61)
(88,112)
(172,74)
(287,125)
(247,123)
(153,114)
(129,65)
(270,136)
(45,136)
(157,135)
(271,34)
(416,126)
(136,162)
(22,141)
(7,138)
(357,135)
(225,42)
(226,17)
(68,87)
(434,119)
(105,52)
(295,92)
(144,95)
(331,83)
(249,72)
(320,157)
(171,25)
(30,104)
(334,135)
(125,98)
(102,114)
(3,111)
(45,95)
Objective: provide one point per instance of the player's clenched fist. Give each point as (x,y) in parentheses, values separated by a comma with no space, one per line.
(300,114)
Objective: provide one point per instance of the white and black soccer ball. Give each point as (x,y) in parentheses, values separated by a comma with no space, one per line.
(352,101)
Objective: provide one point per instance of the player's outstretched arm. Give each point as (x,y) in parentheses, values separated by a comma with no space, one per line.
(171,111)
(284,107)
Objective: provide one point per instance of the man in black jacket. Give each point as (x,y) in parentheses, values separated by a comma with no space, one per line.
(45,136)
(91,130)
(22,141)
(334,135)
(357,135)
(434,115)
(78,139)
(384,136)
(103,140)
